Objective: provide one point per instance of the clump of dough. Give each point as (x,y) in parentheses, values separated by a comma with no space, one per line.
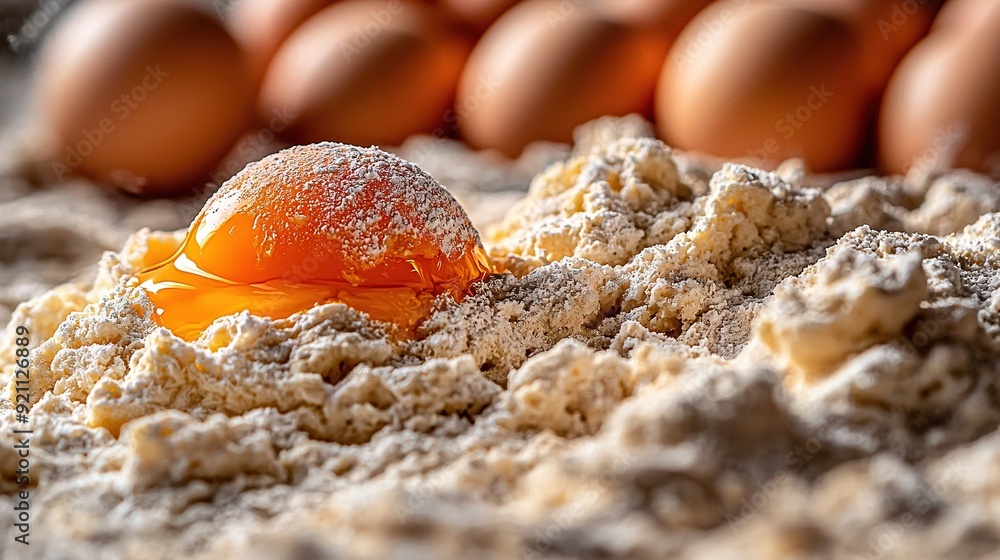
(569,390)
(954,201)
(840,306)
(604,206)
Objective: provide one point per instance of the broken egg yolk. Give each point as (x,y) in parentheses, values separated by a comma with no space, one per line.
(317,224)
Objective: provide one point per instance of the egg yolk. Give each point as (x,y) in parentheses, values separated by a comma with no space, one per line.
(316,224)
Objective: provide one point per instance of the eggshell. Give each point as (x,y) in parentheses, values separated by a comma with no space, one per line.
(260,26)
(942,106)
(547,66)
(365,72)
(766,82)
(148,95)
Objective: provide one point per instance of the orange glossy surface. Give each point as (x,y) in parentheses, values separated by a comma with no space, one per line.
(316,224)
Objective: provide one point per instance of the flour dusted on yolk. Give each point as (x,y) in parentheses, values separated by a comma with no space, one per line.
(314,224)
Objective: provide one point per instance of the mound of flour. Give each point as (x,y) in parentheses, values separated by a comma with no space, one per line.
(668,366)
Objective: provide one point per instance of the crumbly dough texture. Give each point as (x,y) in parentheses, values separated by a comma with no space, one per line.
(671,367)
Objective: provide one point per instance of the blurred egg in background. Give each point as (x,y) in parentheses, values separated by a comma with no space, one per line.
(547,66)
(766,82)
(146,95)
(365,72)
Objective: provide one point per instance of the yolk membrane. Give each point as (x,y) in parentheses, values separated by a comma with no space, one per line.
(288,233)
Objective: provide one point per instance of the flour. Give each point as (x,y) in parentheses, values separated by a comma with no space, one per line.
(669,367)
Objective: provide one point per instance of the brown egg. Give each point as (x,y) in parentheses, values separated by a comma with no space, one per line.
(547,66)
(477,14)
(887,29)
(942,107)
(766,82)
(149,95)
(365,72)
(260,26)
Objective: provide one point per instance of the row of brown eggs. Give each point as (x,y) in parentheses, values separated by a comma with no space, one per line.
(803,78)
(152,94)
(549,65)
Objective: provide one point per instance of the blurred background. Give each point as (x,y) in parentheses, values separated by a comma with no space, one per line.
(121,114)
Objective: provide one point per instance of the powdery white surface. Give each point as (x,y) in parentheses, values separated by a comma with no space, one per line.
(673,367)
